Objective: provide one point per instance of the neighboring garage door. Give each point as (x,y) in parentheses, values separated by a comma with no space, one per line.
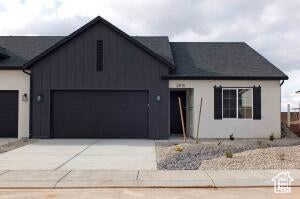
(8,113)
(99,114)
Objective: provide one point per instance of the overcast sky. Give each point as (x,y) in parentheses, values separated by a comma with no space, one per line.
(272,27)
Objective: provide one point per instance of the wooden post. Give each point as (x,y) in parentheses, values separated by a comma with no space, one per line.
(182,121)
(197,137)
(299,113)
(288,115)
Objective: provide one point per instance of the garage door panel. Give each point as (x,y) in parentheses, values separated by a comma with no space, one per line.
(8,113)
(100,114)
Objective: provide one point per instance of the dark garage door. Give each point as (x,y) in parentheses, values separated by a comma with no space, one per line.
(8,113)
(100,114)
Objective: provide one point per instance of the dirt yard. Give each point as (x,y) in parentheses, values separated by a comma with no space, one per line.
(247,154)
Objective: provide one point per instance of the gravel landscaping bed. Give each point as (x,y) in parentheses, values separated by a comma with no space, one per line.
(269,158)
(194,154)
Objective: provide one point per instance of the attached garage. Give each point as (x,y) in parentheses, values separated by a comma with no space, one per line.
(101,83)
(99,114)
(8,113)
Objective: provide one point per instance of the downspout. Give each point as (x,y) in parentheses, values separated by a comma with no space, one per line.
(30,101)
(282,83)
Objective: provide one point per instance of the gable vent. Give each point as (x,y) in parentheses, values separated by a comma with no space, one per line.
(99,55)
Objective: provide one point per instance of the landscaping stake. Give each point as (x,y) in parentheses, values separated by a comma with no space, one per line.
(197,137)
(182,121)
(288,115)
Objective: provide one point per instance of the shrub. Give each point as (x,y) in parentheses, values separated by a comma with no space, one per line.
(228,154)
(281,156)
(261,144)
(179,148)
(271,138)
(231,137)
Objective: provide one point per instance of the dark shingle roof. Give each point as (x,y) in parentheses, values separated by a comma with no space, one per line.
(218,60)
(24,48)
(193,60)
(3,53)
(159,44)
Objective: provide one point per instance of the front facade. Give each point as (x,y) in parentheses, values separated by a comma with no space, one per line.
(241,126)
(100,82)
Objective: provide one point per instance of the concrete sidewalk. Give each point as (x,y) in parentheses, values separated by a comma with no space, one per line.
(141,178)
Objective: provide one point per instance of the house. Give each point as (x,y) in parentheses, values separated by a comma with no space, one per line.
(99,82)
(282,182)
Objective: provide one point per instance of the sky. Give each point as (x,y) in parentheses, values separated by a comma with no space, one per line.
(272,27)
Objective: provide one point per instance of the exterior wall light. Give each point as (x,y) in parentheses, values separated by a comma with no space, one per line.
(39,98)
(158,98)
(25,97)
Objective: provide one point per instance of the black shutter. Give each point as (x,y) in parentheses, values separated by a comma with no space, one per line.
(99,55)
(218,102)
(256,103)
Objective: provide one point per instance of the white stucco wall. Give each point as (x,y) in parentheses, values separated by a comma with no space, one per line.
(17,80)
(241,128)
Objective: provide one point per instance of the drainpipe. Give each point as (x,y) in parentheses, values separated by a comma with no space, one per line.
(281,82)
(30,101)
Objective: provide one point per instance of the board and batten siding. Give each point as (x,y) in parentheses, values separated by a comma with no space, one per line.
(16,80)
(73,66)
(240,128)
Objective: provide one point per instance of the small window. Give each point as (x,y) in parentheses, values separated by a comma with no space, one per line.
(99,55)
(237,103)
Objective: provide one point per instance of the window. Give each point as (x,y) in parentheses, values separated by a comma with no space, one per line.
(245,103)
(99,55)
(237,103)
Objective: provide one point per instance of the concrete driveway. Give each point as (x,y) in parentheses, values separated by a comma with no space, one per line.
(82,154)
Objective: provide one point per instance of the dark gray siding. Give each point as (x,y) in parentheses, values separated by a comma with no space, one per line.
(126,67)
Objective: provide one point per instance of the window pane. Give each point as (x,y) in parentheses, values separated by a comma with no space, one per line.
(233,112)
(232,104)
(225,94)
(229,103)
(226,113)
(245,103)
(226,103)
(233,94)
(248,112)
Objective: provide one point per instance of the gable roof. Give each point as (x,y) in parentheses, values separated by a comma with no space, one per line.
(25,48)
(86,27)
(220,60)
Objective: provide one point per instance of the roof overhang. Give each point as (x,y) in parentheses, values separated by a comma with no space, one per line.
(190,77)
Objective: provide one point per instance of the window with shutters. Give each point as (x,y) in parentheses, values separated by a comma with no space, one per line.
(99,55)
(237,103)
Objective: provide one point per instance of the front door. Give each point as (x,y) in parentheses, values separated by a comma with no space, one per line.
(175,123)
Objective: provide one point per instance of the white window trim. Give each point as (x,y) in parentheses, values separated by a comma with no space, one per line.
(237,103)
